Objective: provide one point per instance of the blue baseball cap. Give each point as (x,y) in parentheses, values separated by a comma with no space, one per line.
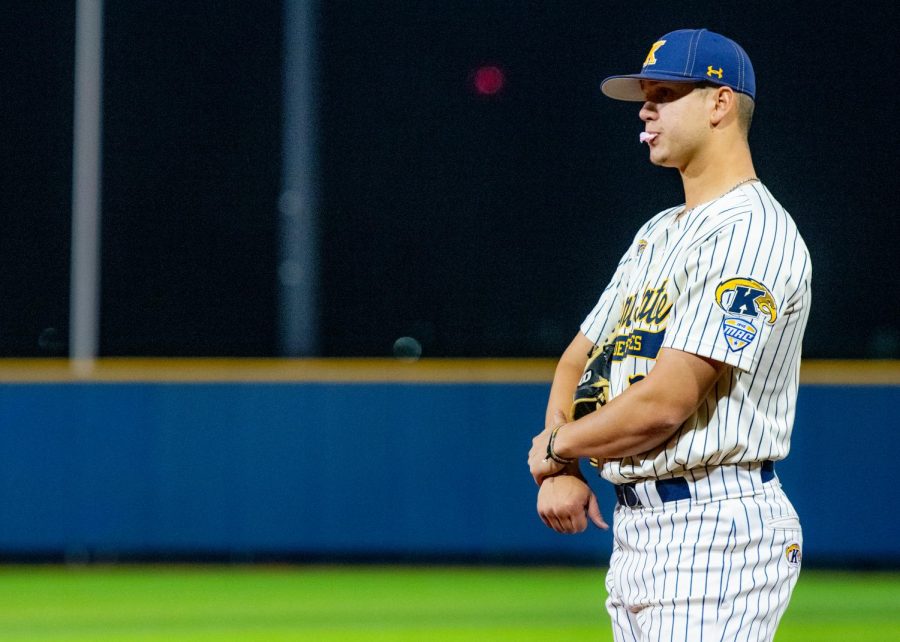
(688,55)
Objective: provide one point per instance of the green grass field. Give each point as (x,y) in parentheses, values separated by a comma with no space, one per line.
(380,603)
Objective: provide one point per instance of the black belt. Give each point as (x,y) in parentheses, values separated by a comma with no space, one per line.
(676,488)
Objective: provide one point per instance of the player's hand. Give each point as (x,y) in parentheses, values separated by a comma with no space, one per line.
(539,464)
(565,502)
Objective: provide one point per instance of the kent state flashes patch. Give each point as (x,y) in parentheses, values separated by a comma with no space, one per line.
(793,555)
(747,301)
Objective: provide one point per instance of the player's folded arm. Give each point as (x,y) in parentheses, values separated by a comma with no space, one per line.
(647,413)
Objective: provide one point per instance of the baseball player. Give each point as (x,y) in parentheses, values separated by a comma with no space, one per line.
(701,328)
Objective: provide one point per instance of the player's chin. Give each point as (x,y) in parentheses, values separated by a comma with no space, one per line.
(659,158)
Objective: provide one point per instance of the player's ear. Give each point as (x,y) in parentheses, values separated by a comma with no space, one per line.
(723,102)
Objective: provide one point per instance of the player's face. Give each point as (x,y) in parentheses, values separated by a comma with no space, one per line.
(678,113)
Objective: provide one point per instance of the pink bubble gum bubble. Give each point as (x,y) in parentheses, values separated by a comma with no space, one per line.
(646,137)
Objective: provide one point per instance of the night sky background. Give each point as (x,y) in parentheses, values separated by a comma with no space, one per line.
(481,225)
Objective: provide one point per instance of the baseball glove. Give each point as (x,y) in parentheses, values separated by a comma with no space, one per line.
(593,387)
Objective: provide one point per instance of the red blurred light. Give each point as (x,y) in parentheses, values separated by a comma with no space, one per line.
(488,80)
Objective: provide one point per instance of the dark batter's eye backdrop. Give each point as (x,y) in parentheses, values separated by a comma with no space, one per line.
(464,210)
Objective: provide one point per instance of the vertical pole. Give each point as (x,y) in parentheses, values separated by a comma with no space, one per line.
(299,252)
(84,304)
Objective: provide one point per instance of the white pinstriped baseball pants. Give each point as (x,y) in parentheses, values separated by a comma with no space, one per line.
(713,570)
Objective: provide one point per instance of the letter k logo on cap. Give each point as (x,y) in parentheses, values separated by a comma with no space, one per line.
(651,57)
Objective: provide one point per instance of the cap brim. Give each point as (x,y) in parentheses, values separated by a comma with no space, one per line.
(628,87)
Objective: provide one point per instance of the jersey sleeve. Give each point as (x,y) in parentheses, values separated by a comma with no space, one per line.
(602,319)
(727,298)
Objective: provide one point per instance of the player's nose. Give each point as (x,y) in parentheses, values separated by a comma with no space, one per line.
(648,111)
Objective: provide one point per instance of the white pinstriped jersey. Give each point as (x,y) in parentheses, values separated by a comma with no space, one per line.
(728,280)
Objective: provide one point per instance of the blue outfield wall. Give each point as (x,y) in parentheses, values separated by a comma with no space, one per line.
(384,469)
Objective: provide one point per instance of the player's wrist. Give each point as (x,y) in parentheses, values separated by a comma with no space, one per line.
(563,445)
(553,450)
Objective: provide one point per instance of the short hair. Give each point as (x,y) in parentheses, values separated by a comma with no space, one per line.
(745,106)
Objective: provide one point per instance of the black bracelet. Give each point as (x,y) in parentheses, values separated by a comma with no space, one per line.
(550,452)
